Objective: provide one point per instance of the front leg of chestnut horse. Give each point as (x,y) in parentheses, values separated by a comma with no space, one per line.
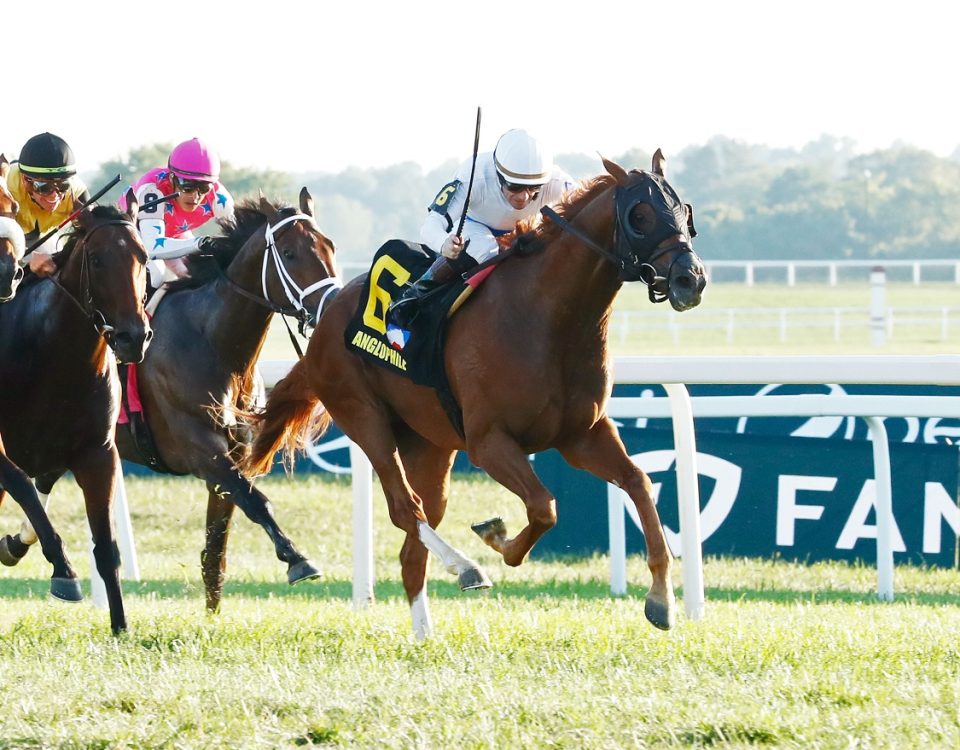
(63,582)
(96,474)
(225,480)
(601,452)
(503,459)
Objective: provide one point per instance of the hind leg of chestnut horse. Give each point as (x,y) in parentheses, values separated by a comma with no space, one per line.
(602,453)
(224,479)
(97,476)
(63,582)
(368,424)
(428,471)
(213,559)
(503,459)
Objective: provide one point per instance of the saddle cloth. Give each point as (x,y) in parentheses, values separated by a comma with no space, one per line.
(416,353)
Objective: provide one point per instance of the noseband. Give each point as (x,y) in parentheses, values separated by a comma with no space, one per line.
(635,253)
(295,295)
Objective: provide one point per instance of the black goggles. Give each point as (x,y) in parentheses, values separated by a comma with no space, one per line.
(194,187)
(48,187)
(512,187)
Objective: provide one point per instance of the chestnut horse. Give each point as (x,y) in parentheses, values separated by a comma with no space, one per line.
(199,371)
(526,358)
(59,392)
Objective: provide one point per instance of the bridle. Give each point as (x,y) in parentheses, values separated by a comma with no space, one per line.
(86,304)
(294,293)
(634,253)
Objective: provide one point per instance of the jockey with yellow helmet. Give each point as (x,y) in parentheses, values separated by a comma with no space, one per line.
(510,183)
(193,171)
(44,182)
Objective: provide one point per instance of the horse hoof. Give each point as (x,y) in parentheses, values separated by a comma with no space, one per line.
(473,579)
(302,571)
(12,550)
(495,528)
(66,589)
(660,615)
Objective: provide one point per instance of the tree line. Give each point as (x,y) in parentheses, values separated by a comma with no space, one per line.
(822,201)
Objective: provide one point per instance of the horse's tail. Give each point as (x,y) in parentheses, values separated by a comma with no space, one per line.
(290,419)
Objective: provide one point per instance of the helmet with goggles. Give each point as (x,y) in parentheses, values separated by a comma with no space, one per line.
(522,160)
(47,157)
(194,161)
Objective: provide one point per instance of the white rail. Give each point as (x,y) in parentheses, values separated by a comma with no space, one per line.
(832,267)
(673,372)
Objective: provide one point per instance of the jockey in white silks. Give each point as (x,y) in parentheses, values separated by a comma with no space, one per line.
(510,184)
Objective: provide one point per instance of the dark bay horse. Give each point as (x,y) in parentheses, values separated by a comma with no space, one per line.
(527,360)
(59,392)
(199,371)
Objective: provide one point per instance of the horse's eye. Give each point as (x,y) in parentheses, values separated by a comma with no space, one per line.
(643,218)
(288,254)
(95,261)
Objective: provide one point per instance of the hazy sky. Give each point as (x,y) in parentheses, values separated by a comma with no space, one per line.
(323,85)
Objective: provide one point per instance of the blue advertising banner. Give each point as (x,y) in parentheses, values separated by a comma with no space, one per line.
(798,498)
(800,488)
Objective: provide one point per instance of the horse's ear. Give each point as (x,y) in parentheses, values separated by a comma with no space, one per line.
(267,208)
(659,163)
(618,172)
(306,201)
(133,207)
(4,165)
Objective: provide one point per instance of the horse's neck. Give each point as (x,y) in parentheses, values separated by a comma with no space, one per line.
(63,334)
(240,324)
(575,289)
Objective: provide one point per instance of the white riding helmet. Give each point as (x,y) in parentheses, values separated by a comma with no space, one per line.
(521,160)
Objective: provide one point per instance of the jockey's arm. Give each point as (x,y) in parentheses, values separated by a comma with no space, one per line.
(443,216)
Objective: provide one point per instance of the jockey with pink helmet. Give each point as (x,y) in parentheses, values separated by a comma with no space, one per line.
(193,171)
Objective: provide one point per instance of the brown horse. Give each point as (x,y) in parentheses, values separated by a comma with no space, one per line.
(199,371)
(59,392)
(527,361)
(210,330)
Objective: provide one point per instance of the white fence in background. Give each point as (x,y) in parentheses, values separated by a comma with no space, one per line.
(675,371)
(786,270)
(785,324)
(747,271)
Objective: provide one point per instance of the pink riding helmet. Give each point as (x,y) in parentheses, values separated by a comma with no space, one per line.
(194,160)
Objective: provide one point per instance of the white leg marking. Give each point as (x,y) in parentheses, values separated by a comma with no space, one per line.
(453,559)
(420,612)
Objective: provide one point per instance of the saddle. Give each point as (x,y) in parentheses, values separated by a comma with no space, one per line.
(133,417)
(415,353)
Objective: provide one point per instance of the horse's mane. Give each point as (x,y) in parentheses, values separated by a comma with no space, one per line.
(77,232)
(532,230)
(219,252)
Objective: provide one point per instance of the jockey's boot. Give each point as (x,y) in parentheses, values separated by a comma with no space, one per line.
(402,311)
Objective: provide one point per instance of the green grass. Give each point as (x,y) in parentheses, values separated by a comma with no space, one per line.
(788,655)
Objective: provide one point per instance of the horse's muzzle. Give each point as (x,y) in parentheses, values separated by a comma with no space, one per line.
(687,281)
(130,346)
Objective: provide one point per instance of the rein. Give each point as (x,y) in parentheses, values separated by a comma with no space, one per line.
(97,318)
(648,273)
(291,289)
